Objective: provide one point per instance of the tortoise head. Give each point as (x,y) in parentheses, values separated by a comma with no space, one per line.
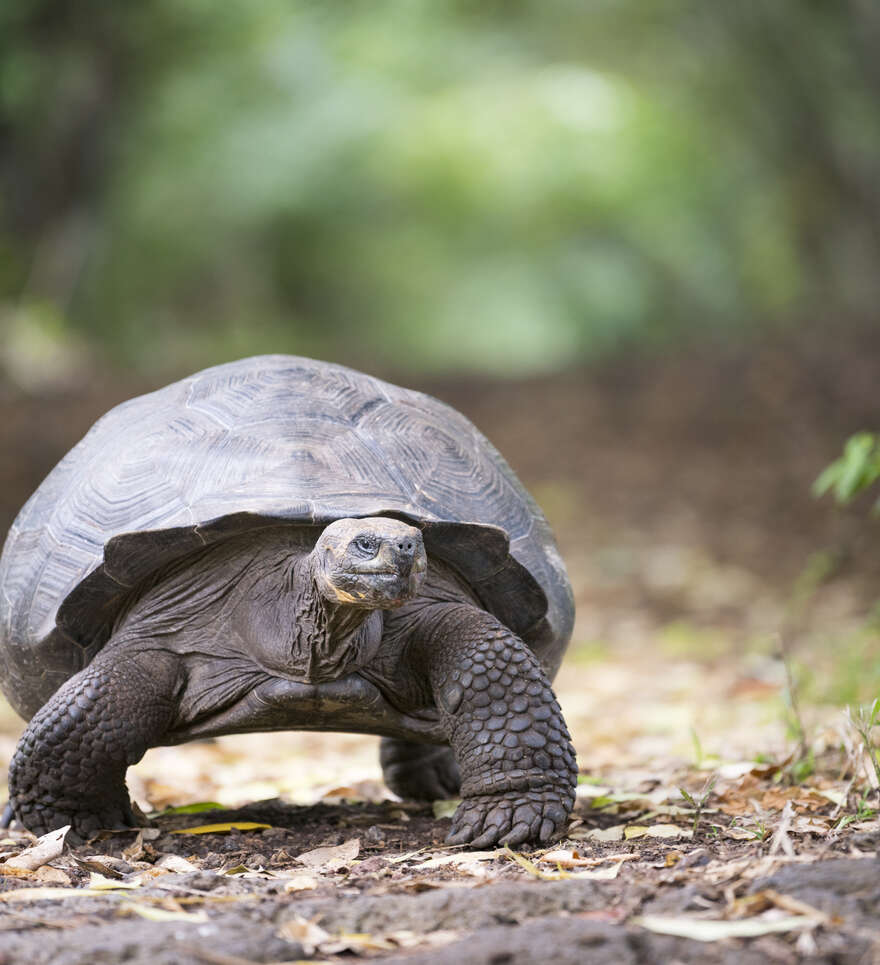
(375,563)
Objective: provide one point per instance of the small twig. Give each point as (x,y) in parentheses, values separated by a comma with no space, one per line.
(792,693)
(835,814)
(780,840)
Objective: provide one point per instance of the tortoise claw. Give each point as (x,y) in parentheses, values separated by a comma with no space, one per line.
(535,816)
(462,836)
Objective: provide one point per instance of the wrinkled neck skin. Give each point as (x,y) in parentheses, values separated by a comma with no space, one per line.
(320,639)
(250,604)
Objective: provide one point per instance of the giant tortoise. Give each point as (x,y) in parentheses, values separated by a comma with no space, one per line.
(280,543)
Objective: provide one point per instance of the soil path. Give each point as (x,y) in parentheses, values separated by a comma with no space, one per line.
(680,491)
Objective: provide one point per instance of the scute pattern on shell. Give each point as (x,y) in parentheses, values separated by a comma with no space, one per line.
(273,436)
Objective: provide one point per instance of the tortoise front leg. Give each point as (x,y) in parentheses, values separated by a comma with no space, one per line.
(518,770)
(69,766)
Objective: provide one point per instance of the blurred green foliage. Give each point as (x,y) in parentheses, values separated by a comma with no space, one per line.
(857,469)
(502,187)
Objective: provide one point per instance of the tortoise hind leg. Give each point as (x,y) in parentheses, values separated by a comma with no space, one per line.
(419,772)
(69,766)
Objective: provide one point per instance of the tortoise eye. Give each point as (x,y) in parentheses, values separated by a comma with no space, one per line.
(366,545)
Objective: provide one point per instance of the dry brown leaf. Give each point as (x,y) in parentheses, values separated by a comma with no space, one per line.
(601,874)
(771,768)
(368,789)
(305,931)
(111,862)
(461,859)
(801,798)
(175,863)
(614,833)
(406,856)
(333,858)
(866,826)
(153,913)
(135,851)
(300,882)
(734,770)
(51,876)
(149,873)
(434,939)
(98,882)
(748,906)
(47,848)
(796,906)
(668,831)
(739,834)
(563,857)
(360,943)
(314,938)
(805,824)
(97,865)
(566,858)
(345,793)
(736,800)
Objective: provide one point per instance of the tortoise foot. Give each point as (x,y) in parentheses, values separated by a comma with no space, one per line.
(85,821)
(513,818)
(419,772)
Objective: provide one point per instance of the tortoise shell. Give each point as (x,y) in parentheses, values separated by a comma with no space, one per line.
(250,444)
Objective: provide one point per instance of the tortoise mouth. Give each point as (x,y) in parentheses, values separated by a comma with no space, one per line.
(380,591)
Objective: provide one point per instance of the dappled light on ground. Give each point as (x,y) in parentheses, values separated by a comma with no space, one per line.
(724,797)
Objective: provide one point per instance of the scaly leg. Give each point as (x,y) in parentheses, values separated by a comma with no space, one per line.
(518,770)
(69,766)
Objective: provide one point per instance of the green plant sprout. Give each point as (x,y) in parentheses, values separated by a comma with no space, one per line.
(863,721)
(698,803)
(854,471)
(760,831)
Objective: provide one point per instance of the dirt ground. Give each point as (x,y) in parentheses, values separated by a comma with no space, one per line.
(679,489)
